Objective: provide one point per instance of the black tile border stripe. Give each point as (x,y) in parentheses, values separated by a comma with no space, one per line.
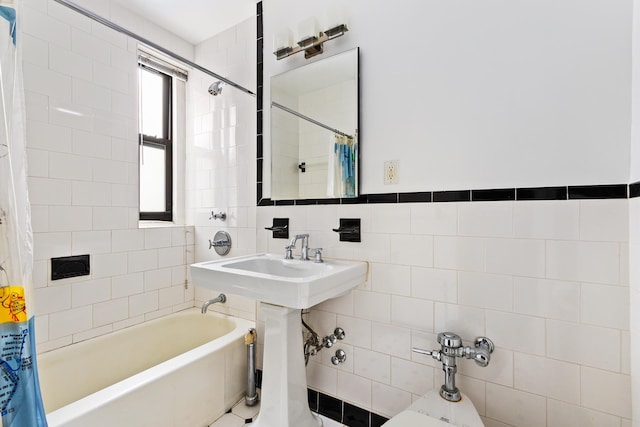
(452,196)
(619,191)
(581,192)
(542,193)
(336,409)
(344,412)
(493,195)
(419,197)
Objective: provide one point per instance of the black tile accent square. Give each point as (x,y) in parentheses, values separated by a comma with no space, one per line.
(330,407)
(259,122)
(541,193)
(634,190)
(354,200)
(279,228)
(354,416)
(328,201)
(260,74)
(312,397)
(618,191)
(259,148)
(259,162)
(382,198)
(349,230)
(305,202)
(265,202)
(70,266)
(377,420)
(452,196)
(259,30)
(259,100)
(259,8)
(494,195)
(418,197)
(285,202)
(259,53)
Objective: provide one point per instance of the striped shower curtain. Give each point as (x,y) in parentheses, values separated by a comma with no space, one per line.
(20,399)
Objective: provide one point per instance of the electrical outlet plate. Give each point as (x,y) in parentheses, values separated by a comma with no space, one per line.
(391,172)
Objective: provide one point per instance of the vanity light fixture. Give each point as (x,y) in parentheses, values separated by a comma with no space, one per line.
(312,45)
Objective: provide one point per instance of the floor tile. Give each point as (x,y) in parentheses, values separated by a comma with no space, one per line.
(246,412)
(228,420)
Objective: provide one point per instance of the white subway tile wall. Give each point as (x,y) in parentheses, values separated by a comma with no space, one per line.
(546,280)
(81,91)
(541,279)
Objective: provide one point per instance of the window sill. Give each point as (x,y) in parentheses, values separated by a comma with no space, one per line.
(157,224)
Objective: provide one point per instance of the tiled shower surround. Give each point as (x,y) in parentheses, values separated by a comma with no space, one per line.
(546,280)
(81,97)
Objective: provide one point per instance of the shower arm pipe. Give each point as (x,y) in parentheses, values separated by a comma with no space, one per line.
(73,6)
(309,119)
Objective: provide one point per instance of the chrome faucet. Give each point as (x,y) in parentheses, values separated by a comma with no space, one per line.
(222,298)
(451,347)
(304,256)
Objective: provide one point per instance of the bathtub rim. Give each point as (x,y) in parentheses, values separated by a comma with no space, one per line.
(102,397)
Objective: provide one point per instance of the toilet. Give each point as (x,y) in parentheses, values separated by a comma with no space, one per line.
(431,410)
(448,406)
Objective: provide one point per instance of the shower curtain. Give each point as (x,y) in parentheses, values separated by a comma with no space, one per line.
(20,399)
(342,179)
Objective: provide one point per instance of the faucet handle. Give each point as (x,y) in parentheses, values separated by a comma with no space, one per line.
(288,251)
(317,255)
(433,353)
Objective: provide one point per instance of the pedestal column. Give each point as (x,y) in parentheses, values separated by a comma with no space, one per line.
(283,399)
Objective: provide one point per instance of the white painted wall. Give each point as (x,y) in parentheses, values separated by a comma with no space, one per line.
(472,95)
(487,94)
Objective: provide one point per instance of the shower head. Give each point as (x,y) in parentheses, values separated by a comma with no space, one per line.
(215,88)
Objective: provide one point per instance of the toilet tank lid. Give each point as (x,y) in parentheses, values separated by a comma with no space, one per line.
(411,418)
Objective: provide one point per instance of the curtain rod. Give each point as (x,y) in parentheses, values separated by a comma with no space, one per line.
(309,119)
(149,43)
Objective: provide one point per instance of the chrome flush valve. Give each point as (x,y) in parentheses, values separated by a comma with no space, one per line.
(451,347)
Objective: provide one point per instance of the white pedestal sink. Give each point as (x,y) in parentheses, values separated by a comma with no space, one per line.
(283,287)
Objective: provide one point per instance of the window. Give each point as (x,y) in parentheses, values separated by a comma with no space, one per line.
(156,145)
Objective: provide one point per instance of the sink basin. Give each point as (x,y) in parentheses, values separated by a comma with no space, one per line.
(272,279)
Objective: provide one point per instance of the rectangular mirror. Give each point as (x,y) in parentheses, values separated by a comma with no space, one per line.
(314,130)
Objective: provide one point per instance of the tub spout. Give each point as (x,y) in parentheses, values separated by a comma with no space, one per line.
(222,298)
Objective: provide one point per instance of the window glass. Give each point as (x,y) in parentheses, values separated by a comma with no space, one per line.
(152,178)
(152,103)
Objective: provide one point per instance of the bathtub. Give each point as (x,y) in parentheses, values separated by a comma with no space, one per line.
(182,370)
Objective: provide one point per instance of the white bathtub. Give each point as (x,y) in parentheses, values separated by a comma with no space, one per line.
(182,370)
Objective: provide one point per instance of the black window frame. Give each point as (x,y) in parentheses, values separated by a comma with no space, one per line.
(165,143)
